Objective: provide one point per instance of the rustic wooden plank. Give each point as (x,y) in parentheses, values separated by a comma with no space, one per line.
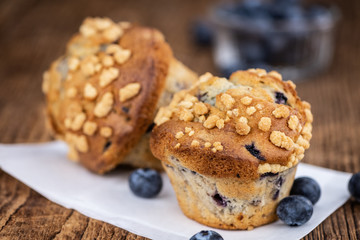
(34,32)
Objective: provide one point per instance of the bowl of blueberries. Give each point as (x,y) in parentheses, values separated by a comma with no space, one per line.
(289,36)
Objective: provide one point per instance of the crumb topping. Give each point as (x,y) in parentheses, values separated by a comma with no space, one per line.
(90,92)
(179,135)
(73,154)
(265,124)
(122,56)
(107,61)
(220,123)
(89,128)
(78,121)
(246,100)
(71,92)
(186,104)
(163,115)
(177,146)
(87,65)
(81,144)
(129,91)
(227,100)
(309,115)
(210,122)
(259,106)
(46,82)
(218,146)
(306,131)
(242,126)
(293,122)
(107,76)
(103,107)
(279,139)
(188,129)
(303,142)
(281,112)
(250,110)
(67,123)
(292,84)
(73,63)
(185,115)
(275,74)
(113,33)
(106,132)
(195,143)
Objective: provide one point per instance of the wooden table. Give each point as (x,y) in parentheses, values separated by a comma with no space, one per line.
(33,33)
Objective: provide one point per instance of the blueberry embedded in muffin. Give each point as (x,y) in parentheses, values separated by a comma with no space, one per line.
(248,133)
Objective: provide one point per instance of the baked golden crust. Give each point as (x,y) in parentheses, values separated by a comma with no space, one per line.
(103,93)
(234,128)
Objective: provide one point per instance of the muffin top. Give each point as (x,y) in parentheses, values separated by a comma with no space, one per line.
(252,124)
(102,94)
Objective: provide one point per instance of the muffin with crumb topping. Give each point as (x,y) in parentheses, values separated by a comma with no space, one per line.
(103,93)
(231,147)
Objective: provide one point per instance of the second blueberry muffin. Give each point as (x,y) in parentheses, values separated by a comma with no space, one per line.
(231,147)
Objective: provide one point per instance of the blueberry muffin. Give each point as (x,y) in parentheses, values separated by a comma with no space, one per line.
(102,95)
(231,147)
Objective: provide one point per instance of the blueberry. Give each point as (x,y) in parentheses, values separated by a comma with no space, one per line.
(145,182)
(294,210)
(254,151)
(207,235)
(306,187)
(220,200)
(202,33)
(280,98)
(354,186)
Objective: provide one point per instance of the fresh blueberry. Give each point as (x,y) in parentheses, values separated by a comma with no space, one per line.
(202,33)
(207,235)
(145,182)
(354,186)
(280,98)
(294,210)
(306,187)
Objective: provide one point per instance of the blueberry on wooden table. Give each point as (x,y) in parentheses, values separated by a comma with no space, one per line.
(294,210)
(145,182)
(306,187)
(354,186)
(207,235)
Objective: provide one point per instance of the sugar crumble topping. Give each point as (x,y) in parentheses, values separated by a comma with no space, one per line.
(129,91)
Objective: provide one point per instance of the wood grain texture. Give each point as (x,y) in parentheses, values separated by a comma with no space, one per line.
(34,32)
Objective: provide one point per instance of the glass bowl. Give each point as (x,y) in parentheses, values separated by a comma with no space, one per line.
(297,47)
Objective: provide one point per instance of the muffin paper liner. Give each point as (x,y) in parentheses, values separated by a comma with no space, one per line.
(44,167)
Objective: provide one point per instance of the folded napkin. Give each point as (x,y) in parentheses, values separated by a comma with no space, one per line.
(44,168)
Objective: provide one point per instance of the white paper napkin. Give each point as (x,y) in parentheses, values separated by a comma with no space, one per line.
(44,168)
